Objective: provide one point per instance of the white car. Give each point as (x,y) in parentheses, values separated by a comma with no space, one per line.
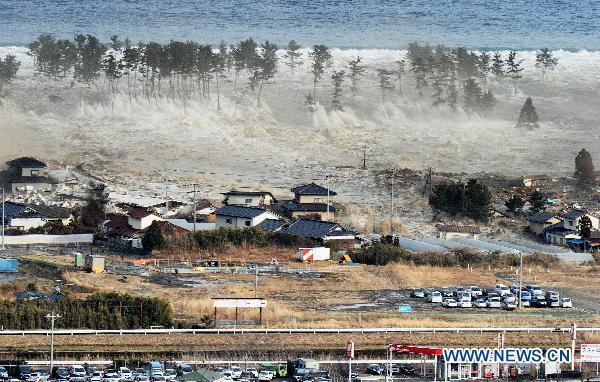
(509,305)
(480,303)
(236,372)
(77,371)
(265,375)
(450,303)
(475,291)
(566,302)
(509,297)
(435,297)
(96,376)
(465,304)
(170,374)
(125,373)
(502,289)
(251,372)
(3,372)
(494,302)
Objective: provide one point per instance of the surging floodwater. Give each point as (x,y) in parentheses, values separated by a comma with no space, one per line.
(391,24)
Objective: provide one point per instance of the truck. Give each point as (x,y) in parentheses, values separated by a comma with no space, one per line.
(155,368)
(313,254)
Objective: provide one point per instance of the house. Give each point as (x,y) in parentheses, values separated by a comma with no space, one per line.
(28,167)
(322,231)
(539,221)
(272,225)
(189,226)
(571,219)
(559,234)
(451,231)
(242,217)
(54,213)
(311,201)
(140,218)
(249,198)
(25,217)
(29,175)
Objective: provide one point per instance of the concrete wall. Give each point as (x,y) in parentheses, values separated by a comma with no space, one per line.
(249,200)
(233,222)
(48,239)
(25,224)
(31,171)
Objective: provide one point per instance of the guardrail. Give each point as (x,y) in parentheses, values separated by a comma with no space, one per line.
(73,332)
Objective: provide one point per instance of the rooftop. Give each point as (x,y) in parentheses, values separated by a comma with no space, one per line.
(139,213)
(27,162)
(293,205)
(574,214)
(311,189)
(240,212)
(540,217)
(315,229)
(271,225)
(458,228)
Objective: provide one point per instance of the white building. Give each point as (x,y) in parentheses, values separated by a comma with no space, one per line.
(139,218)
(249,198)
(572,218)
(242,217)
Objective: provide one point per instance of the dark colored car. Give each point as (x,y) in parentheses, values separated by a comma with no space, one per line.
(374,369)
(23,371)
(406,368)
(539,302)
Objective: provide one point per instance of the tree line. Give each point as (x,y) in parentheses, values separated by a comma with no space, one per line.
(99,311)
(455,77)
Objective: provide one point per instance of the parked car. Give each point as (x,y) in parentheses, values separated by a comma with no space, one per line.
(96,376)
(251,372)
(111,375)
(459,290)
(435,297)
(406,368)
(475,291)
(137,372)
(465,303)
(464,296)
(125,373)
(3,372)
(24,371)
(509,297)
(417,293)
(553,302)
(538,301)
(480,303)
(61,373)
(43,375)
(552,294)
(158,378)
(566,302)
(535,289)
(502,289)
(142,378)
(446,292)
(493,302)
(428,291)
(183,369)
(450,303)
(525,295)
(509,305)
(526,303)
(171,374)
(488,291)
(265,375)
(393,369)
(77,371)
(374,369)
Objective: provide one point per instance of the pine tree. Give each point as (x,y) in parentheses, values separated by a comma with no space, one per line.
(8,69)
(528,117)
(337,78)
(356,72)
(385,82)
(292,56)
(154,238)
(321,58)
(515,203)
(537,202)
(400,74)
(585,229)
(497,68)
(472,96)
(514,68)
(545,61)
(484,67)
(264,67)
(584,169)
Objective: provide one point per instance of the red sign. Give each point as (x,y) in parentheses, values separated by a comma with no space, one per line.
(415,349)
(350,349)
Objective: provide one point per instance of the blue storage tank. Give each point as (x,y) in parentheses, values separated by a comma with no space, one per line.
(9,265)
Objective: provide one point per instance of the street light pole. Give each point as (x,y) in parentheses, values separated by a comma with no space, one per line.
(52,317)
(327,184)
(393,175)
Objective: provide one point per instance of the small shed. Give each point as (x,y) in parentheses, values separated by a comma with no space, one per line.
(9,265)
(95,263)
(78,259)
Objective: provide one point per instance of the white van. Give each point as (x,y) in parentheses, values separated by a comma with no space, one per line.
(464,296)
(435,297)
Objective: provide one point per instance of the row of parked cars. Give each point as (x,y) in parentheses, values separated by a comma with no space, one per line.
(500,296)
(78,373)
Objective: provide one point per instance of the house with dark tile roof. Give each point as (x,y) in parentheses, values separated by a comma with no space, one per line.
(451,231)
(539,221)
(272,225)
(321,231)
(141,218)
(572,217)
(242,217)
(311,201)
(559,234)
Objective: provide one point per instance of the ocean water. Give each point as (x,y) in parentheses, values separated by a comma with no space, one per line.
(507,24)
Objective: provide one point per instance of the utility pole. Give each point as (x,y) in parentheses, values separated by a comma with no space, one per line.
(166,199)
(52,317)
(3,198)
(194,207)
(256,280)
(365,158)
(393,175)
(520,279)
(327,185)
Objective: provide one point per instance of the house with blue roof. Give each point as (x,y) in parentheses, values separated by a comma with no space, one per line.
(572,217)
